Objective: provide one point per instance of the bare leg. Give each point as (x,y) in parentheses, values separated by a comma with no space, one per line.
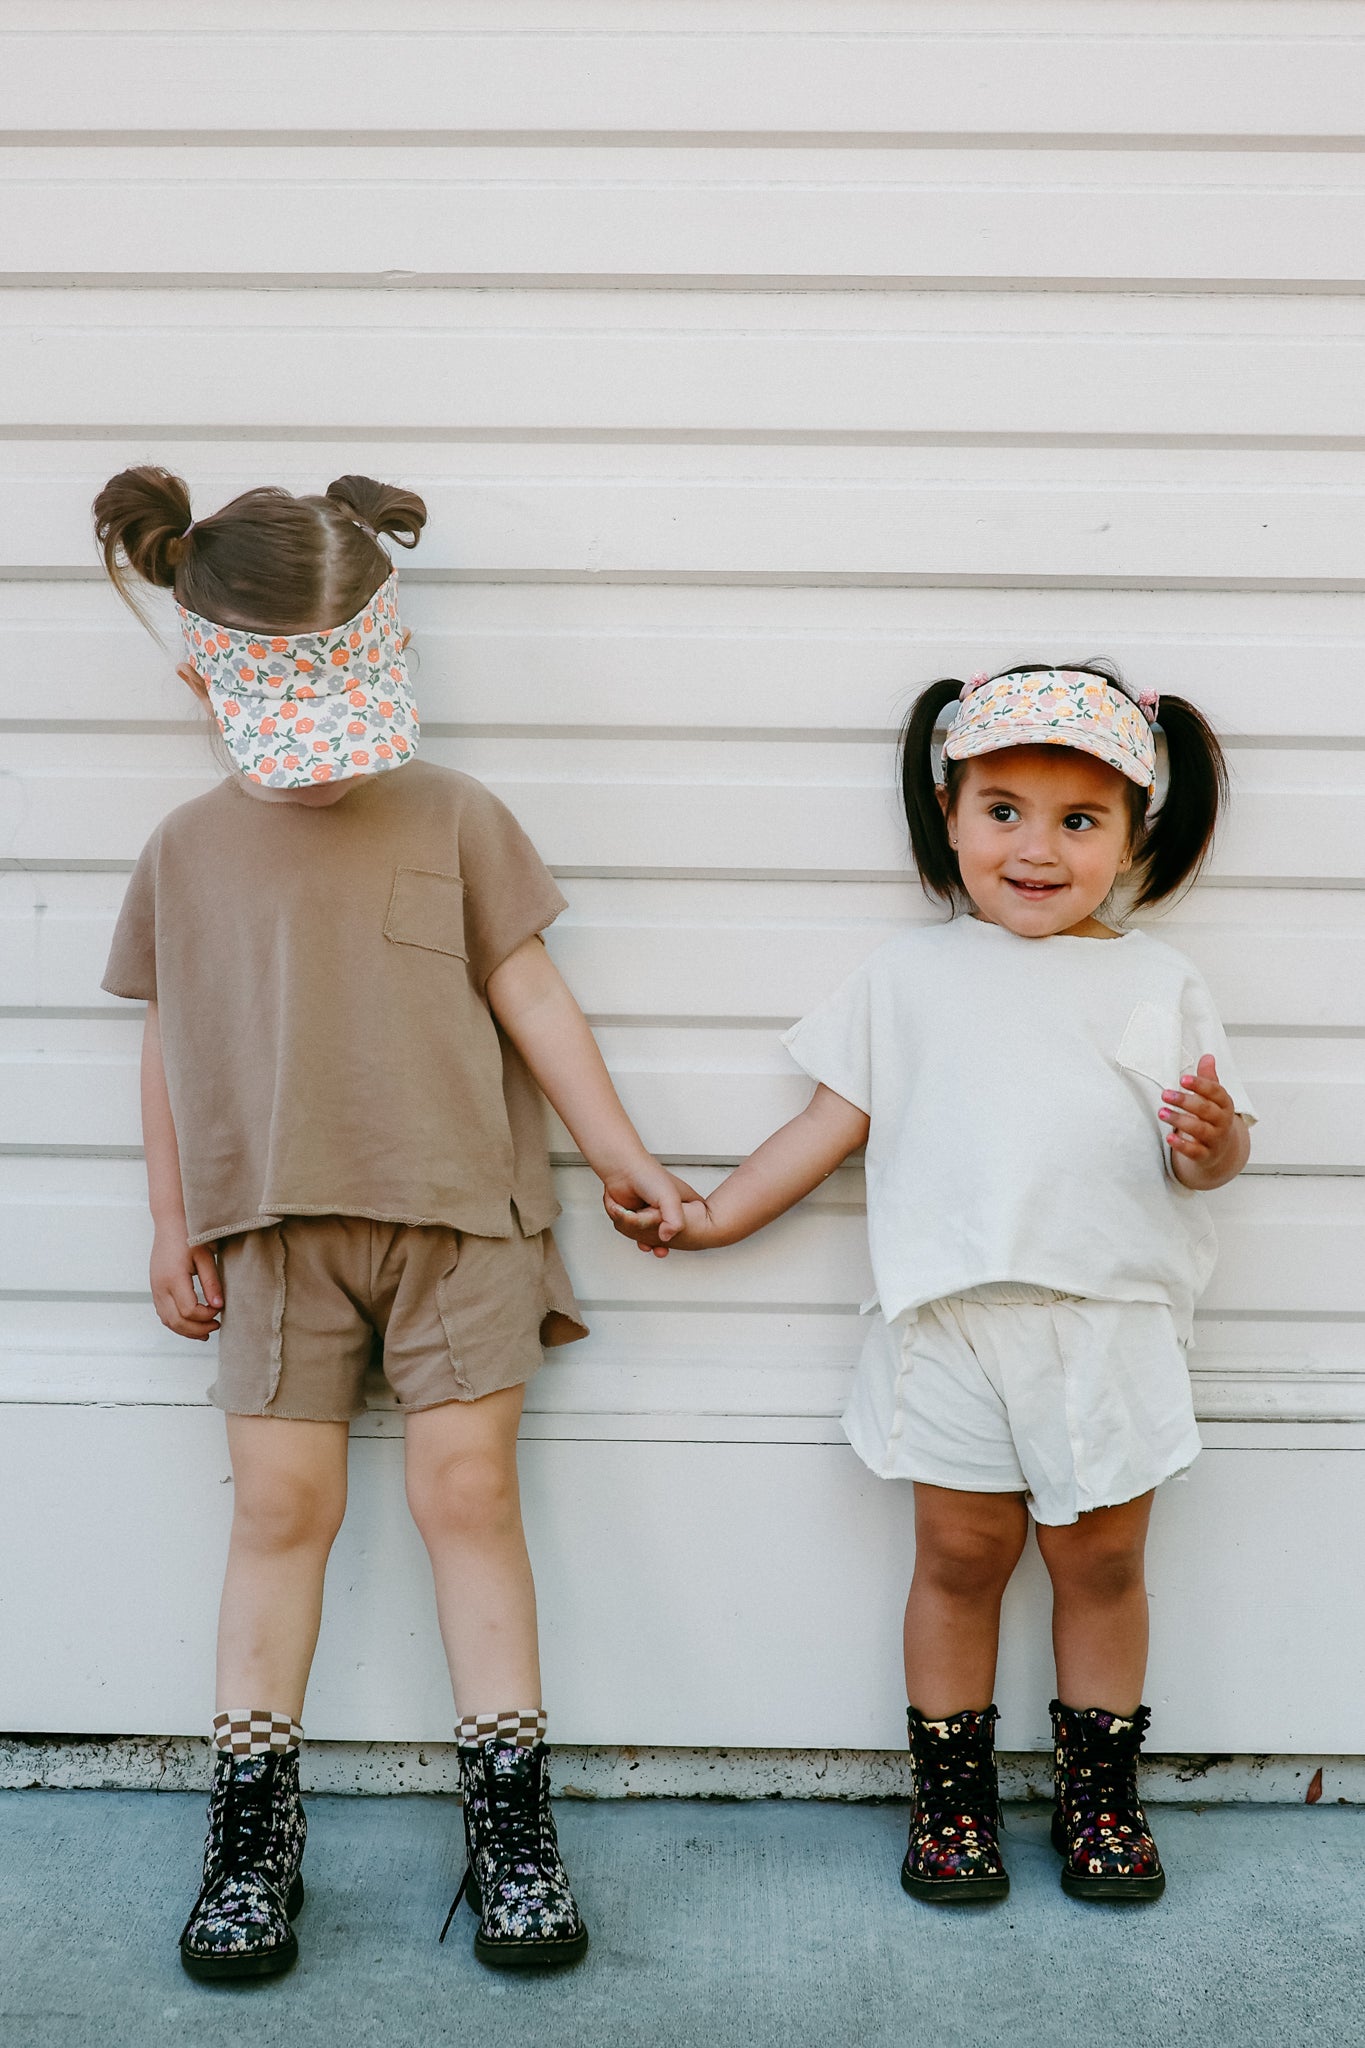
(1099,1605)
(289,1495)
(966,1547)
(462,1489)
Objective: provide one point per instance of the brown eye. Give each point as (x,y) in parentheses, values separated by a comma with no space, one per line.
(1077,821)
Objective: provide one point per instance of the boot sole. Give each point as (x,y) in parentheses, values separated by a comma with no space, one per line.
(1122,1891)
(523,1955)
(955,1891)
(217,1969)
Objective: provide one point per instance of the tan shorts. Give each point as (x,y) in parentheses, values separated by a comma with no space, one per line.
(311,1303)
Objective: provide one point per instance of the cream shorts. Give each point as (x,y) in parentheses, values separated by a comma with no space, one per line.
(311,1303)
(1076,1404)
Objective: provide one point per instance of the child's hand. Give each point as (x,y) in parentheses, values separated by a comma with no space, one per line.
(174,1268)
(648,1189)
(643,1227)
(1208,1139)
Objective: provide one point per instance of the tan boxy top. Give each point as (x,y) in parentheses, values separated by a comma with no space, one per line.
(320,979)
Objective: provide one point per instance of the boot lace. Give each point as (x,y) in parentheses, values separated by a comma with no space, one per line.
(246,1827)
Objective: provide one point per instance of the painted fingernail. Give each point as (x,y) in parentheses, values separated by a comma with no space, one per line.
(1165,1115)
(1187,1080)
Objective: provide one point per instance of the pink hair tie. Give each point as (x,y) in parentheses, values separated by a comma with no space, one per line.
(1149,703)
(977,682)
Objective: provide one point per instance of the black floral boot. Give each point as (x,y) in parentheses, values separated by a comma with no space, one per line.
(252,1883)
(516,1881)
(954,1853)
(1098,1825)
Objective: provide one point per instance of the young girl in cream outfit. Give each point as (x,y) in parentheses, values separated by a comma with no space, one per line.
(349,1008)
(1043,1099)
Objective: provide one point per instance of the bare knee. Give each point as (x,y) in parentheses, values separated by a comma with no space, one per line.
(966,1563)
(464,1495)
(280,1512)
(1096,1567)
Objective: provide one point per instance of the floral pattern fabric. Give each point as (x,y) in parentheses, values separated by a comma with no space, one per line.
(1098,1824)
(516,1879)
(301,708)
(1056,708)
(955,1821)
(252,1859)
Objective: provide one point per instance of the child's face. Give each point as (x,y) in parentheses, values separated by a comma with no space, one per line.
(1041,834)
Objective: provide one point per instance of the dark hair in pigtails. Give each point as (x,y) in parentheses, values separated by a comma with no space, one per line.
(384,508)
(141,517)
(937,863)
(267,560)
(1176,843)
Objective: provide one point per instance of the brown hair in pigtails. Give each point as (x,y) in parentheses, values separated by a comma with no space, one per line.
(267,560)
(141,517)
(939,873)
(1176,843)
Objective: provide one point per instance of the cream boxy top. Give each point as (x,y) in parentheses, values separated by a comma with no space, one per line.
(1013,1086)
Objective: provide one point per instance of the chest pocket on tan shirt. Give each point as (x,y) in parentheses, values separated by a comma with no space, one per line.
(427,910)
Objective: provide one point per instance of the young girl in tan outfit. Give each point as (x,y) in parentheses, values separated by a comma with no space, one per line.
(349,1008)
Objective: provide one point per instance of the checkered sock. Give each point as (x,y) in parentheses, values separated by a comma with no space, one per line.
(525,1726)
(255,1731)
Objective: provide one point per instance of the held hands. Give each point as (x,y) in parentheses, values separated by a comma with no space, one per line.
(648,1190)
(649,1229)
(175,1267)
(1208,1139)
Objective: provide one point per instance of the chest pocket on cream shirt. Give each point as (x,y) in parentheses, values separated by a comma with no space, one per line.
(427,910)
(1153,1045)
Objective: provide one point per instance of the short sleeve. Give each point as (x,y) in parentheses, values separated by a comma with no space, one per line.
(1202,1032)
(834,1043)
(509,893)
(131,967)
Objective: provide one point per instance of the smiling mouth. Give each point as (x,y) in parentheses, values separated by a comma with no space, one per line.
(1036,890)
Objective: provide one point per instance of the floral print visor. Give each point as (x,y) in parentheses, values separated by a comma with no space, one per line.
(300,708)
(1057,707)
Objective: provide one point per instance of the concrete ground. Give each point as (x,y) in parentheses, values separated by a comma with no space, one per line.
(763,1925)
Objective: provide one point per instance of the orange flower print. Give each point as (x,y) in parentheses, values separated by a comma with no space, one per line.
(372,653)
(338,657)
(292,761)
(400,743)
(288,710)
(358,699)
(302,662)
(279,646)
(384,751)
(386,708)
(223,639)
(353,640)
(267,727)
(367,623)
(322,746)
(305,690)
(252,776)
(231,708)
(356,727)
(304,725)
(360,760)
(269,765)
(322,773)
(255,650)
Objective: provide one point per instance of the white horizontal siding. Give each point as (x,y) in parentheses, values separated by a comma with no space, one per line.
(758,362)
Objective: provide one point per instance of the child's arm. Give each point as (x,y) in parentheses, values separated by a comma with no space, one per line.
(530,1000)
(1209,1141)
(783,1169)
(175,1264)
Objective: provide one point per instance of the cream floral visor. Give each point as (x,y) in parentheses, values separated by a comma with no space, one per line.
(1057,707)
(300,708)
